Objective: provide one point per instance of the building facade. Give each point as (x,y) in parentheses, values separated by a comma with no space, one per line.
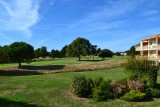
(150,48)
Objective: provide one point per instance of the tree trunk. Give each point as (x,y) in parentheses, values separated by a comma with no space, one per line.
(19,64)
(79,57)
(93,57)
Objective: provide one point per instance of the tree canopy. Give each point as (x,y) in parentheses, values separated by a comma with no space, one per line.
(79,46)
(43,51)
(37,53)
(118,53)
(63,51)
(20,51)
(3,56)
(54,53)
(105,53)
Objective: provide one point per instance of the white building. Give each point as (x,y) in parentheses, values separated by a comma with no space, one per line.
(150,47)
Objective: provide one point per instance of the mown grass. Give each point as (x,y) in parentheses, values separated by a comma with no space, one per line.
(56,61)
(60,61)
(63,65)
(35,89)
(54,90)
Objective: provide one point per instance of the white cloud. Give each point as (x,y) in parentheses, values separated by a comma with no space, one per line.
(42,41)
(19,15)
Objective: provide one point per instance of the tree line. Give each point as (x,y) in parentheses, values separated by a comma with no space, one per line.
(22,52)
(78,46)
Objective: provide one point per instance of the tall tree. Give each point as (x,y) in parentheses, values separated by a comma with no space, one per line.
(20,51)
(43,51)
(98,50)
(93,50)
(79,46)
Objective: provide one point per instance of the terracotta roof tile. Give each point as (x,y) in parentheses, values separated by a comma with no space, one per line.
(154,36)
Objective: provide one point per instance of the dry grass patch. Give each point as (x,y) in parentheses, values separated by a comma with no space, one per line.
(84,66)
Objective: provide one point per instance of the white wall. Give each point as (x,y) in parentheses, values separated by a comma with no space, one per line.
(152,42)
(152,53)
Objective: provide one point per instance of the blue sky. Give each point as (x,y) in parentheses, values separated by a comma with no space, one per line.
(112,24)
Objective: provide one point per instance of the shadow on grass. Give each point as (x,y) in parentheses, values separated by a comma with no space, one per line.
(91,60)
(9,103)
(18,73)
(48,67)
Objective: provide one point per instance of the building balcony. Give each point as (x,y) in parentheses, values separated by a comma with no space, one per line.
(150,47)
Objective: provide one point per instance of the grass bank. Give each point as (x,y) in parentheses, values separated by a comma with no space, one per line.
(53,90)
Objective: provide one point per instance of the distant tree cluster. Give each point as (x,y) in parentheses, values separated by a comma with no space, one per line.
(83,47)
(79,46)
(54,53)
(132,51)
(105,53)
(117,53)
(42,52)
(21,51)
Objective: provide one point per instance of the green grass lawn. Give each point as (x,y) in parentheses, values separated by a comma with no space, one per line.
(54,90)
(59,61)
(56,61)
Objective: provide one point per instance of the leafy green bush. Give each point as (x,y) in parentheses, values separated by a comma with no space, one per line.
(141,70)
(117,90)
(157,86)
(134,96)
(101,92)
(97,88)
(153,92)
(97,81)
(81,87)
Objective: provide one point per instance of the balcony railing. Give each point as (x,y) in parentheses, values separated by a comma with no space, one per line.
(151,47)
(138,48)
(152,58)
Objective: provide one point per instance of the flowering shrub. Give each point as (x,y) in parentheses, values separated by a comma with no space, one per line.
(118,90)
(141,70)
(135,85)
